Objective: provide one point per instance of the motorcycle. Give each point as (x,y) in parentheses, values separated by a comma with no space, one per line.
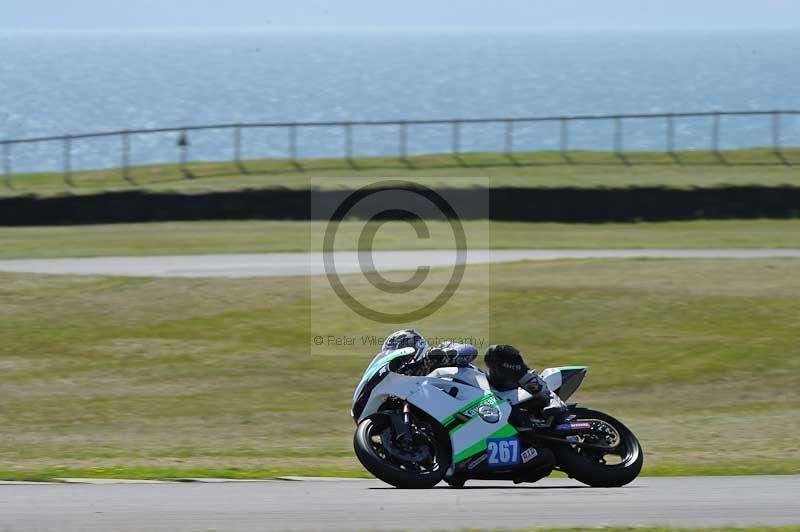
(451,425)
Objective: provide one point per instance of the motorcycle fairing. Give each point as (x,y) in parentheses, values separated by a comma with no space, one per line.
(380,360)
(453,396)
(471,437)
(562,380)
(565,379)
(454,409)
(471,376)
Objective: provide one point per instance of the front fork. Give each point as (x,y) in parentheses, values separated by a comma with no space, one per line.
(406,413)
(401,422)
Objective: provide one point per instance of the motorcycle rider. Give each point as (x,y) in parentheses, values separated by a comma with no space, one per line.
(506,370)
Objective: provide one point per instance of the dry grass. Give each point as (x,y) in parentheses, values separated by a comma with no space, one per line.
(525,169)
(180,238)
(162,377)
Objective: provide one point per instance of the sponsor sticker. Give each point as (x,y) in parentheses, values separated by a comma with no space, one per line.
(490,401)
(574,426)
(475,463)
(489,413)
(529,454)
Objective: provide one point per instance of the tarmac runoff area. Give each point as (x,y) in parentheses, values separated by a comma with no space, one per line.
(349,504)
(302,264)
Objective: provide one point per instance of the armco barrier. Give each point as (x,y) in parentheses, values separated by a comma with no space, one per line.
(512,204)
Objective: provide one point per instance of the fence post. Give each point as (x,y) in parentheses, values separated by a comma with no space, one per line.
(237,147)
(456,148)
(564,138)
(293,143)
(670,134)
(183,148)
(509,147)
(126,157)
(293,146)
(403,141)
(348,143)
(776,131)
(715,134)
(618,146)
(777,150)
(67,145)
(671,138)
(7,163)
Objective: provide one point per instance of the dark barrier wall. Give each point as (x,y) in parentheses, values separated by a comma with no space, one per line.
(513,204)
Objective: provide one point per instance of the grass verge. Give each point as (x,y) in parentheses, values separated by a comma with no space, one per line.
(525,169)
(181,238)
(155,378)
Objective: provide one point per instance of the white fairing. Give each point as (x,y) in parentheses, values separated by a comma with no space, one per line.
(475,377)
(552,376)
(470,375)
(427,393)
(564,380)
(515,397)
(453,396)
(441,398)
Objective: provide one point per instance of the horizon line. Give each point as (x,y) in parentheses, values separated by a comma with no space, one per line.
(398,29)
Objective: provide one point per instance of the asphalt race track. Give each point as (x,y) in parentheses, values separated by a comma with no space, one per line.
(290,264)
(366,504)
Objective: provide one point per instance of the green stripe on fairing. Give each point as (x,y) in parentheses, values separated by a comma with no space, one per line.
(505,432)
(477,401)
(378,364)
(460,426)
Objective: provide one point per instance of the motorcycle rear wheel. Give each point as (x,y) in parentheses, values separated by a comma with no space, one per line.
(589,465)
(384,463)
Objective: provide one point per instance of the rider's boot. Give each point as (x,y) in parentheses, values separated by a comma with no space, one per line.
(555,406)
(535,385)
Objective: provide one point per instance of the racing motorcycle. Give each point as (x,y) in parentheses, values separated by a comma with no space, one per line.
(451,425)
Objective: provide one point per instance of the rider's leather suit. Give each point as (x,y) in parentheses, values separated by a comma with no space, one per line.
(506,370)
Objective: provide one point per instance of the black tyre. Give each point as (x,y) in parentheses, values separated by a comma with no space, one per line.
(416,463)
(456,482)
(603,468)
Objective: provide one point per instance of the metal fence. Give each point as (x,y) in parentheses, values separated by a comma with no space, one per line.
(617,131)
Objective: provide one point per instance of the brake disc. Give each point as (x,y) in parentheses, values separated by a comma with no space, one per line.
(605,431)
(406,453)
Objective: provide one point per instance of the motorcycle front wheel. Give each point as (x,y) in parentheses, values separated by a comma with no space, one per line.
(615,460)
(414,460)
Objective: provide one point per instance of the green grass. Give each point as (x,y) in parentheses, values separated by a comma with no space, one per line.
(177,238)
(532,169)
(159,378)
